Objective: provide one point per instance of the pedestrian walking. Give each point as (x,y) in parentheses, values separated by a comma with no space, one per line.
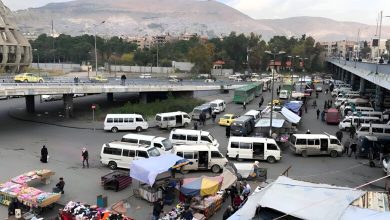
(213,117)
(346,146)
(44,154)
(244,106)
(123,79)
(326,91)
(352,131)
(227,131)
(60,186)
(326,104)
(339,135)
(330,103)
(279,87)
(314,104)
(353,150)
(157,209)
(305,108)
(195,125)
(318,113)
(84,155)
(323,115)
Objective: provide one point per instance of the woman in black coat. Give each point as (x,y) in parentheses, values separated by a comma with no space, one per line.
(228,131)
(44,154)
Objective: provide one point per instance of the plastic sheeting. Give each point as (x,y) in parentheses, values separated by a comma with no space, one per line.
(353,213)
(229,179)
(202,186)
(293,106)
(290,116)
(265,122)
(146,170)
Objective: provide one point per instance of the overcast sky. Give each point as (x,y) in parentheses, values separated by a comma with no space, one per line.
(364,11)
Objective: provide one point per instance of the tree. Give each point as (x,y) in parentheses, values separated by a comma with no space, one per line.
(201,56)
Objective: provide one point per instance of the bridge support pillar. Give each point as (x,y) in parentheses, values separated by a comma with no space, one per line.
(379,98)
(339,73)
(110,98)
(353,80)
(143,97)
(68,105)
(30,103)
(362,87)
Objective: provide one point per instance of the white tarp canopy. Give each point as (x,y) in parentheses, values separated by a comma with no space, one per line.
(229,179)
(265,122)
(354,212)
(300,199)
(295,94)
(290,116)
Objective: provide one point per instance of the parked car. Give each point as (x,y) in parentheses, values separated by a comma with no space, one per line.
(48,98)
(98,79)
(318,89)
(28,78)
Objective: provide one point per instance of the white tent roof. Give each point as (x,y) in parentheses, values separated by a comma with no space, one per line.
(265,122)
(290,116)
(354,212)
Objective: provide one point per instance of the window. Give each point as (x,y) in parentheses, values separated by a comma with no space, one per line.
(153,152)
(301,142)
(192,138)
(387,131)
(216,154)
(377,130)
(110,120)
(311,141)
(120,120)
(180,154)
(186,116)
(245,145)
(116,120)
(139,119)
(334,141)
(271,147)
(128,153)
(157,145)
(126,120)
(142,154)
(131,120)
(144,142)
(188,155)
(130,140)
(113,151)
(178,137)
(158,118)
(165,119)
(172,118)
(205,138)
(234,145)
(317,142)
(364,129)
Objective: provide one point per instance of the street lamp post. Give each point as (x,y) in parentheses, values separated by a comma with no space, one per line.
(96,59)
(272,87)
(292,58)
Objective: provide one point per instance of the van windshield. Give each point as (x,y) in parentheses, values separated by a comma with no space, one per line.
(214,105)
(158,118)
(197,111)
(167,144)
(153,152)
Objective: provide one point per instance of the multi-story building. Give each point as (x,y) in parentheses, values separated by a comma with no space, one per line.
(343,48)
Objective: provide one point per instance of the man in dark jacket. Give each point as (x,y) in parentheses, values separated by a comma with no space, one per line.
(227,131)
(339,135)
(60,186)
(318,113)
(352,131)
(157,209)
(85,155)
(44,154)
(123,80)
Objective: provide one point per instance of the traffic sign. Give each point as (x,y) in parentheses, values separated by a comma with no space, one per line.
(93,106)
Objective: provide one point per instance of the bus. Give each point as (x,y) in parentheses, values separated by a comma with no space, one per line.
(266,84)
(259,89)
(246,93)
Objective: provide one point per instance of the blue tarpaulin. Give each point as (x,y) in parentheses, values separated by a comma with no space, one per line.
(293,106)
(146,170)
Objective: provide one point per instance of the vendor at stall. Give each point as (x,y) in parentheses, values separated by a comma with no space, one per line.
(157,209)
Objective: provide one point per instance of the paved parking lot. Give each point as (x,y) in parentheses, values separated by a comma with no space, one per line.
(21,142)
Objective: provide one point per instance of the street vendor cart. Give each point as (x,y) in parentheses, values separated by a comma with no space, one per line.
(116,180)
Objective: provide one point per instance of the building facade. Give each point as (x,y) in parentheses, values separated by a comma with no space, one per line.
(15,50)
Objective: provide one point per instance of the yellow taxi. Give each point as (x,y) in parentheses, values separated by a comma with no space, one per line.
(226,120)
(28,78)
(316,81)
(98,79)
(276,102)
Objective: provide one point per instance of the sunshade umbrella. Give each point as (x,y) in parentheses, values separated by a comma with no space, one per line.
(202,186)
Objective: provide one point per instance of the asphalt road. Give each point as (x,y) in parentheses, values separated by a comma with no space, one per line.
(21,143)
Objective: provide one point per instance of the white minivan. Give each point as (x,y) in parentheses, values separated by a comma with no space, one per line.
(118,122)
(172,119)
(356,121)
(119,154)
(255,114)
(315,144)
(284,94)
(253,148)
(374,130)
(191,137)
(161,143)
(201,157)
(218,106)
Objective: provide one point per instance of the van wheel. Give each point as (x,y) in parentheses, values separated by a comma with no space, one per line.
(114,129)
(239,159)
(333,153)
(112,165)
(138,129)
(185,125)
(304,153)
(183,171)
(271,159)
(216,169)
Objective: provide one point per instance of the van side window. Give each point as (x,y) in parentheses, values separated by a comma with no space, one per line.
(271,147)
(157,145)
(216,154)
(178,137)
(180,154)
(172,118)
(131,120)
(186,116)
(165,119)
(301,142)
(364,129)
(334,141)
(245,145)
(317,142)
(130,140)
(110,120)
(144,142)
(188,155)
(126,120)
(192,138)
(128,153)
(377,130)
(116,120)
(113,151)
(387,131)
(234,145)
(121,120)
(139,119)
(141,153)
(205,138)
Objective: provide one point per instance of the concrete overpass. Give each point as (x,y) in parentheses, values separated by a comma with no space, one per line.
(370,79)
(146,91)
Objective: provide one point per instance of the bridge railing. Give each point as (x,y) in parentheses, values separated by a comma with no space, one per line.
(372,67)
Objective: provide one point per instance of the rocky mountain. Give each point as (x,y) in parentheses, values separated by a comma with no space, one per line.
(137,18)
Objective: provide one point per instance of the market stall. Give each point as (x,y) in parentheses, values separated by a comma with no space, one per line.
(116,180)
(31,177)
(155,174)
